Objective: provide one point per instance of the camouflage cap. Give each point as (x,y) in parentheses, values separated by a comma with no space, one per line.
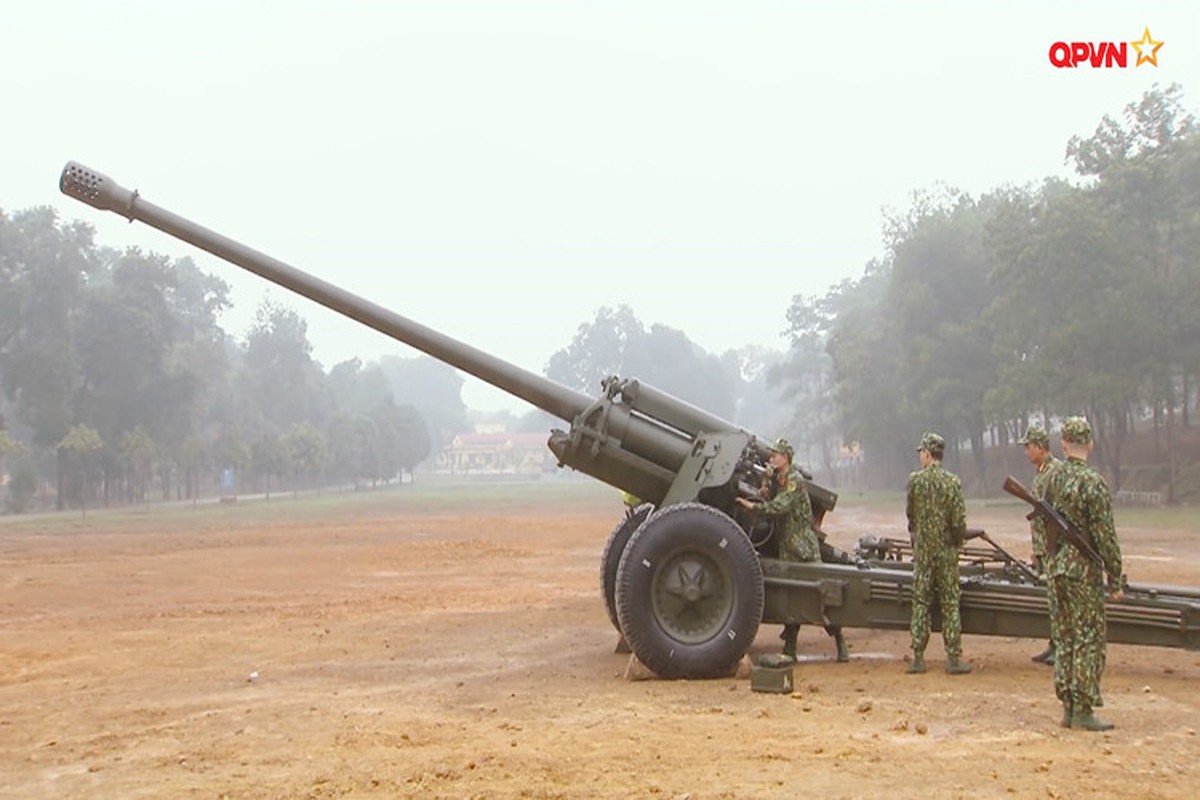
(784,446)
(1076,430)
(1036,435)
(934,443)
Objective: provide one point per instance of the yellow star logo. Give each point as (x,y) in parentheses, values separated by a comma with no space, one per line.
(1151,45)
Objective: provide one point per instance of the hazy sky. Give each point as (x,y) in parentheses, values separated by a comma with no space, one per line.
(500,170)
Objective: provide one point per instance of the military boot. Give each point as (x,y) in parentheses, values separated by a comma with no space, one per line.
(1046,656)
(917,666)
(956,667)
(843,652)
(789,634)
(1084,719)
(1067,714)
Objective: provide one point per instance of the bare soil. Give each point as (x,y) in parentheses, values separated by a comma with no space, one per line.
(427,653)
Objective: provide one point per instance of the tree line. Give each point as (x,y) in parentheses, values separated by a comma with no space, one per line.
(1023,305)
(117,382)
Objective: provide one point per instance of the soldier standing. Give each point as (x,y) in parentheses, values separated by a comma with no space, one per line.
(937,523)
(786,500)
(1081,495)
(1037,450)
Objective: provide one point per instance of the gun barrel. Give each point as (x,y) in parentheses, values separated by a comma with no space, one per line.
(99,191)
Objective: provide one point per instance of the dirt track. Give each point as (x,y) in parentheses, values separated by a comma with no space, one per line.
(422,653)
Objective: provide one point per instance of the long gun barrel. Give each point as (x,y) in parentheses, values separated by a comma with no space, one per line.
(102,192)
(636,437)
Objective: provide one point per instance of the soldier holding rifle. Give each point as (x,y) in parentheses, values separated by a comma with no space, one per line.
(1077,580)
(1082,552)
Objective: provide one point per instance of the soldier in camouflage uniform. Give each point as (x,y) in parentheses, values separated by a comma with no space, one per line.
(937,523)
(785,498)
(1037,450)
(1078,584)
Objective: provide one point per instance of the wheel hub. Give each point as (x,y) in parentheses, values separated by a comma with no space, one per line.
(692,596)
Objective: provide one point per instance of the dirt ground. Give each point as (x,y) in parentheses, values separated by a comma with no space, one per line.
(422,653)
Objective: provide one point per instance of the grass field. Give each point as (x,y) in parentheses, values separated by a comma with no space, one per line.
(439,494)
(426,497)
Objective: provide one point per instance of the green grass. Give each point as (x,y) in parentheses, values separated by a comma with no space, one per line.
(432,495)
(1181,517)
(870,500)
(445,495)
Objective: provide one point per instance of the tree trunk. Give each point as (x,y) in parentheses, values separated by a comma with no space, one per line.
(60,463)
(1171,455)
(1157,424)
(1187,396)
(1111,445)
(980,458)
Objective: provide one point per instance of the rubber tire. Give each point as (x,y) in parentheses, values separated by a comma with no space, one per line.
(611,558)
(689,637)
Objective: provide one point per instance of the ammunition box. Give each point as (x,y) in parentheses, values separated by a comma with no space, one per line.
(776,680)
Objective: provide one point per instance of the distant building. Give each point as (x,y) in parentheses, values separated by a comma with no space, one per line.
(497,453)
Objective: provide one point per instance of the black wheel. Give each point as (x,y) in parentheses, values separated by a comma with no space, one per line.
(689,592)
(611,558)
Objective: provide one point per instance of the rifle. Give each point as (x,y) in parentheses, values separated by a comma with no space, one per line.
(1056,524)
(1008,558)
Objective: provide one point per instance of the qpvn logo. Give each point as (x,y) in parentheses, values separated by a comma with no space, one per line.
(1105,55)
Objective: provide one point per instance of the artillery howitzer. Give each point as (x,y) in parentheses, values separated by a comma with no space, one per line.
(684,582)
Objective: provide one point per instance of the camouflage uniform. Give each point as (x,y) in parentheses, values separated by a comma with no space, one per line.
(1037,530)
(793,513)
(796,535)
(1081,495)
(937,523)
(1038,525)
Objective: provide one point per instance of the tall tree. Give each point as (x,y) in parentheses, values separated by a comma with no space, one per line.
(1094,291)
(306,449)
(77,446)
(865,353)
(269,457)
(137,453)
(599,349)
(347,447)
(433,388)
(616,343)
(413,443)
(44,267)
(283,383)
(937,298)
(806,378)
(1153,226)
(356,387)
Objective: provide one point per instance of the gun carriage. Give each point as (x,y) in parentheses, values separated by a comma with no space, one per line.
(685,577)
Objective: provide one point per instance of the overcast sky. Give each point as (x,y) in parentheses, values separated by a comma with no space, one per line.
(501,170)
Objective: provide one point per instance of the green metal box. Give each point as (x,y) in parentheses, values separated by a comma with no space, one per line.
(776,680)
